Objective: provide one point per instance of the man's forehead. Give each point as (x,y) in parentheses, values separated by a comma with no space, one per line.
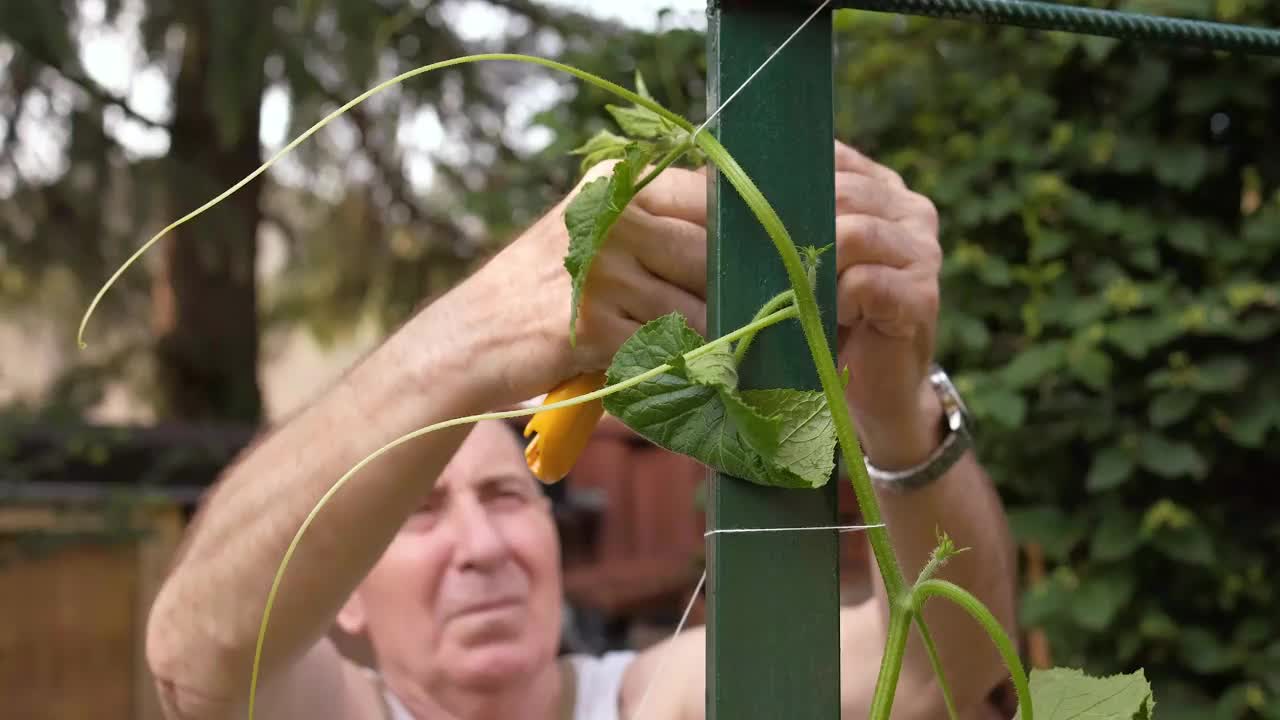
(492,451)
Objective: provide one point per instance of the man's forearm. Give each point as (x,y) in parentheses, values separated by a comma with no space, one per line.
(205,621)
(963,504)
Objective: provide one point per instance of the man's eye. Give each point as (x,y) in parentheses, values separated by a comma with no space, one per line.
(508,498)
(424,518)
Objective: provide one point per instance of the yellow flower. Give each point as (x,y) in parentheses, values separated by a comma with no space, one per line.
(562,434)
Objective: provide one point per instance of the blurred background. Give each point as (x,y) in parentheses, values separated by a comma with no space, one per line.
(1111,309)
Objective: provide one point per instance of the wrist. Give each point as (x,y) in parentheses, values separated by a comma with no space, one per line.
(907,438)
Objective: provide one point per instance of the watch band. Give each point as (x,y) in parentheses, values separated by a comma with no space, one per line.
(934,467)
(958,439)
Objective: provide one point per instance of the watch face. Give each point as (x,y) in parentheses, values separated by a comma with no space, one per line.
(952,403)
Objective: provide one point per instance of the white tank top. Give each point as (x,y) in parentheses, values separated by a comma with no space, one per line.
(597,687)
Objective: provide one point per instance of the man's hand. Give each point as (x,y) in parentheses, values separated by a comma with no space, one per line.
(888,260)
(653,263)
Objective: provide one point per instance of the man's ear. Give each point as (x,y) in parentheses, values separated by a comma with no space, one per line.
(352,618)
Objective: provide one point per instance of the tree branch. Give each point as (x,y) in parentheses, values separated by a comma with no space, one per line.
(98,94)
(563,21)
(391,176)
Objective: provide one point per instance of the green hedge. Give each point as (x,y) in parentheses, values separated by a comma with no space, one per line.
(1111,223)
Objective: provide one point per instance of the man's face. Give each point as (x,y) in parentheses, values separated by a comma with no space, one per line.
(468,592)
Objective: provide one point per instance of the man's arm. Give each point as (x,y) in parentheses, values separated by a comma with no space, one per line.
(498,338)
(889,260)
(205,621)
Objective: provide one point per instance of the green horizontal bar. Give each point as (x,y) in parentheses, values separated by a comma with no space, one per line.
(1088,21)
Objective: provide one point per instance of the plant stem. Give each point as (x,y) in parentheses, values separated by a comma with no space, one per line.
(663,164)
(749,329)
(895,648)
(780,300)
(810,321)
(936,662)
(975,608)
(833,388)
(581,74)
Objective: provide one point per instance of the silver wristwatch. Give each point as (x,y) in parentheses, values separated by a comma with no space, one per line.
(957,425)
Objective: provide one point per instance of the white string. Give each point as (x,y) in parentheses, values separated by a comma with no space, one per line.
(662,658)
(837,528)
(662,652)
(757,72)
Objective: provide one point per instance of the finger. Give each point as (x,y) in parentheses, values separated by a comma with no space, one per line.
(862,194)
(653,299)
(676,193)
(870,240)
(615,331)
(896,302)
(672,249)
(850,160)
(641,296)
(607,326)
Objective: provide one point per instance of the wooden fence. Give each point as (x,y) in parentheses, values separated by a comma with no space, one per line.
(76,583)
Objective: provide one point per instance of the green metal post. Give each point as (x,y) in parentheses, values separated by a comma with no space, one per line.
(773,598)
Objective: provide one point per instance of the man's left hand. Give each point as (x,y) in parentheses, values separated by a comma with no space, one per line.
(888,261)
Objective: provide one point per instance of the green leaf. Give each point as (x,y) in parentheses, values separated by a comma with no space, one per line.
(1032,364)
(1045,602)
(1099,598)
(641,89)
(1204,652)
(1128,643)
(1056,532)
(1252,632)
(1049,244)
(1091,366)
(1222,374)
(759,432)
(1069,694)
(808,439)
(1189,544)
(590,216)
(1117,536)
(1189,237)
(1249,425)
(1170,407)
(602,146)
(1132,344)
(1157,625)
(777,437)
(1111,467)
(1001,405)
(1181,166)
(994,271)
(1170,459)
(641,122)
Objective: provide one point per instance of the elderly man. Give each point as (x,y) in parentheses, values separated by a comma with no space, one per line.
(442,552)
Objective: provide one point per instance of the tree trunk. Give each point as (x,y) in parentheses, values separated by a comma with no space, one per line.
(205,295)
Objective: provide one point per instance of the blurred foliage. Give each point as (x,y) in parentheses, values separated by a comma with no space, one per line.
(362,235)
(1111,224)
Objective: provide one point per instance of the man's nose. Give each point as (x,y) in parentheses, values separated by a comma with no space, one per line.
(479,542)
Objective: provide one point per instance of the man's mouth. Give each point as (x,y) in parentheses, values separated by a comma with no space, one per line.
(489,606)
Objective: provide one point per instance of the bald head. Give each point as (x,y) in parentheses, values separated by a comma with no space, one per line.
(491,445)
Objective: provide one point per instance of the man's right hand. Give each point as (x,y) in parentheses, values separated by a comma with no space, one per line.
(653,263)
